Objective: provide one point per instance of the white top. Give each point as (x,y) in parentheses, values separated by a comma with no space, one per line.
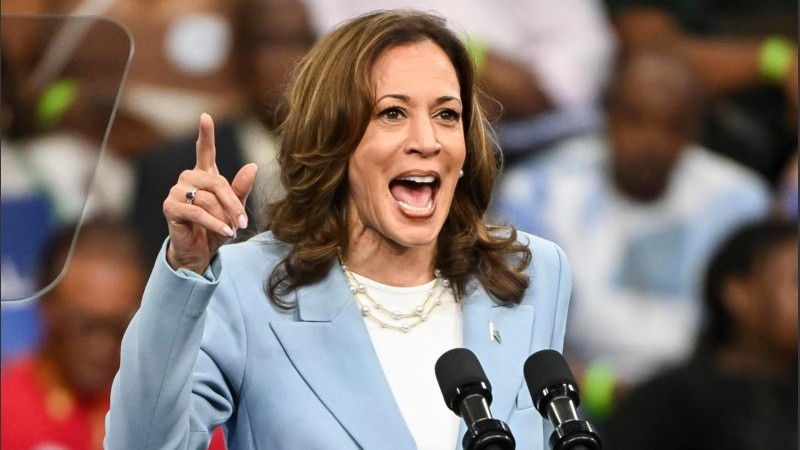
(408,360)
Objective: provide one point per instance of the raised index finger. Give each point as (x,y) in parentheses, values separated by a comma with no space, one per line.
(206,151)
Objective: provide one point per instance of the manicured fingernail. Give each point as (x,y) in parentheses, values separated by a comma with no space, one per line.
(242,221)
(228,232)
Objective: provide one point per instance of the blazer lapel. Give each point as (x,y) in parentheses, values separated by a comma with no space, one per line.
(332,351)
(502,361)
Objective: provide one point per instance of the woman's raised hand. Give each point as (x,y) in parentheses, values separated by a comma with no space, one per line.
(203,210)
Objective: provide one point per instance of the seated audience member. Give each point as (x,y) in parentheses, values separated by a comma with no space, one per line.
(183,64)
(739,392)
(74,57)
(270,37)
(637,211)
(57,397)
(745,52)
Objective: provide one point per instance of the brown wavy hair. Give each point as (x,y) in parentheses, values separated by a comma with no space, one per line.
(330,103)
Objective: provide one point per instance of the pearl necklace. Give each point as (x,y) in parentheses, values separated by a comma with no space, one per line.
(395,320)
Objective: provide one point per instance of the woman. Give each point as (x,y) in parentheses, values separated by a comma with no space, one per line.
(323,331)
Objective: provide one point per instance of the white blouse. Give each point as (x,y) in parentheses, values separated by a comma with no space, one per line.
(408,359)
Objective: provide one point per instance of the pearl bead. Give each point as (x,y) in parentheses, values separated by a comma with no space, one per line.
(396,314)
(405,328)
(420,310)
(438,302)
(437,272)
(423,317)
(353,289)
(446,283)
(365,310)
(361,288)
(384,324)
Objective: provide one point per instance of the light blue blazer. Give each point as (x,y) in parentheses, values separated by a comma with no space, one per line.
(203,352)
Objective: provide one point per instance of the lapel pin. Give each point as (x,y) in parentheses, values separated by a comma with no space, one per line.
(494,333)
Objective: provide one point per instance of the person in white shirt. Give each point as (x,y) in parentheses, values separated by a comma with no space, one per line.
(638,210)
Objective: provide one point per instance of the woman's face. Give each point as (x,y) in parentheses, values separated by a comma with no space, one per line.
(403,173)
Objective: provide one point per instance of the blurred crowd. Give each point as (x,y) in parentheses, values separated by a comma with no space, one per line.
(655,141)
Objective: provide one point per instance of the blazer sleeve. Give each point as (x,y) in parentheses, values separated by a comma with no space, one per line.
(563,293)
(182,362)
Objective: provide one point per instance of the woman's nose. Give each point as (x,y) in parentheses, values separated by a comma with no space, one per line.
(422,138)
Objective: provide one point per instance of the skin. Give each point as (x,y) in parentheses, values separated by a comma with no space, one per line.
(416,129)
(651,118)
(86,315)
(763,305)
(199,229)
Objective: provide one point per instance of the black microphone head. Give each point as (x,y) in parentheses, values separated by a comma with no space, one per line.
(459,372)
(547,369)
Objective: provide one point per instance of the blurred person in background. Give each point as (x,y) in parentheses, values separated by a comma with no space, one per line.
(270,37)
(67,72)
(739,391)
(57,396)
(70,59)
(745,52)
(46,174)
(58,131)
(71,69)
(544,64)
(184,63)
(638,210)
(182,66)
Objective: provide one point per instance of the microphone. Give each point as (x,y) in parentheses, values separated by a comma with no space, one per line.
(467,393)
(555,395)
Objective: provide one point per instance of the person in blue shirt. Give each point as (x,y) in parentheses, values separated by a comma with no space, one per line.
(287,340)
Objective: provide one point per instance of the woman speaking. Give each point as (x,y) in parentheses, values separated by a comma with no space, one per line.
(322,332)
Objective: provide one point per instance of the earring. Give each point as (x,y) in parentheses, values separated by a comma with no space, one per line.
(460,173)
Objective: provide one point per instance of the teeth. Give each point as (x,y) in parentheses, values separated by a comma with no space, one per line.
(428,179)
(405,205)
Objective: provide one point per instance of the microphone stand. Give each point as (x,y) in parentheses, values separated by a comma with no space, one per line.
(570,433)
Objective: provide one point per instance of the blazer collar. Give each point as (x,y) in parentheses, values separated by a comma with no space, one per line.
(332,350)
(324,300)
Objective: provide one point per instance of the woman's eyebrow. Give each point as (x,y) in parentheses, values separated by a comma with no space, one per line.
(407,99)
(402,97)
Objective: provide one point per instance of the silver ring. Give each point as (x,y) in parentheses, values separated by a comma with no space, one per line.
(190,195)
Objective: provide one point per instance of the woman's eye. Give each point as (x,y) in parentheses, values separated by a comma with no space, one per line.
(392,113)
(450,115)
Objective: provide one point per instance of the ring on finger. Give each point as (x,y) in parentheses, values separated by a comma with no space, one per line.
(191,195)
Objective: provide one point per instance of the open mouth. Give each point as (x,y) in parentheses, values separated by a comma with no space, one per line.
(415,194)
